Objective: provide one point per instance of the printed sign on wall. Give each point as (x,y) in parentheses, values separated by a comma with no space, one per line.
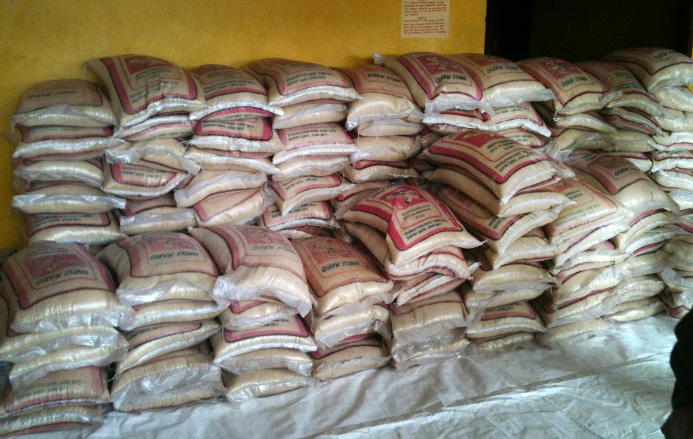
(425,18)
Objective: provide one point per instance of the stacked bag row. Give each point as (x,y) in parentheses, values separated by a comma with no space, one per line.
(60,131)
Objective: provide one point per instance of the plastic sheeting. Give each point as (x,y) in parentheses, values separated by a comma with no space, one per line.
(616,384)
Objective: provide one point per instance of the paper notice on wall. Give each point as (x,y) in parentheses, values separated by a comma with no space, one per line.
(425,18)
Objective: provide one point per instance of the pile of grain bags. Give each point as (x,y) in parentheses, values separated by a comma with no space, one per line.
(165,279)
(504,193)
(350,316)
(263,289)
(417,243)
(505,94)
(233,142)
(60,131)
(314,146)
(62,311)
(572,113)
(152,100)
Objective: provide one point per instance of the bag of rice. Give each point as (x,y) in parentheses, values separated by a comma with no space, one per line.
(292,82)
(180,377)
(228,88)
(248,314)
(497,233)
(643,223)
(20,348)
(134,181)
(389,127)
(81,228)
(255,262)
(641,160)
(312,214)
(415,222)
(288,333)
(591,306)
(575,91)
(364,171)
(503,82)
(142,86)
(635,310)
(89,172)
(272,358)
(655,67)
(215,160)
(639,287)
(383,96)
(352,355)
(266,382)
(316,165)
(447,260)
(424,318)
(60,286)
(622,181)
(524,137)
(478,301)
(330,330)
(155,215)
(76,419)
(437,82)
(166,154)
(387,149)
(503,342)
(158,127)
(222,132)
(513,276)
(70,143)
(208,183)
(440,347)
(526,248)
(231,207)
(564,141)
(619,79)
(677,98)
(302,190)
(157,340)
(680,141)
(572,330)
(86,385)
(574,286)
(316,139)
(633,119)
(340,275)
(521,203)
(674,120)
(676,281)
(502,165)
(343,201)
(589,120)
(64,197)
(160,266)
(677,304)
(309,113)
(424,286)
(64,102)
(505,320)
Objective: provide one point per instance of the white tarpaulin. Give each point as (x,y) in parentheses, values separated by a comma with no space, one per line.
(616,384)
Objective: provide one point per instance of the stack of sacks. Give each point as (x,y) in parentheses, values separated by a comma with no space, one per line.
(61,129)
(62,311)
(502,191)
(508,92)
(585,262)
(233,142)
(650,227)
(263,288)
(386,121)
(418,243)
(571,115)
(678,277)
(665,74)
(314,146)
(151,99)
(351,307)
(165,279)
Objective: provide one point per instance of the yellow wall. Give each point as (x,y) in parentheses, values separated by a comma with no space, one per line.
(44,40)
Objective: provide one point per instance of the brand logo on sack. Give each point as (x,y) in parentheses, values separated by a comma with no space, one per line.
(139,63)
(404,198)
